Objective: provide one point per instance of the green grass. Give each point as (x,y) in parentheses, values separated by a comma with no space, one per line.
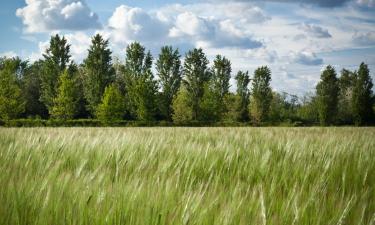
(187,176)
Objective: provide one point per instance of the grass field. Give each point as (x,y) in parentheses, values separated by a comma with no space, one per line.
(187,176)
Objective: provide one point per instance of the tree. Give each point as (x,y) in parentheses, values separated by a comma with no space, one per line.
(30,85)
(182,110)
(362,98)
(233,103)
(308,111)
(221,72)
(169,71)
(243,92)
(112,106)
(211,105)
(12,103)
(56,60)
(346,84)
(141,87)
(65,103)
(327,96)
(261,95)
(195,76)
(98,72)
(283,107)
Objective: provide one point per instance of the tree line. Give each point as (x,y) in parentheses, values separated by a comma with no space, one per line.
(102,88)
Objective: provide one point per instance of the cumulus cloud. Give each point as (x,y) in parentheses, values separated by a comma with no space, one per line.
(211,33)
(51,15)
(306,58)
(315,30)
(321,3)
(128,24)
(367,38)
(186,28)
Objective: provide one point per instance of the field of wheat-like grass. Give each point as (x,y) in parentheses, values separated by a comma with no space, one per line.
(187,176)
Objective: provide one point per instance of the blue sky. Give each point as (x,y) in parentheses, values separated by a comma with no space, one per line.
(296,38)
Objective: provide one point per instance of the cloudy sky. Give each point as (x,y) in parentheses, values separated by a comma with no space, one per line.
(296,38)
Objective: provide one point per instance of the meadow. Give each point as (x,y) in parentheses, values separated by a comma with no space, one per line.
(187,176)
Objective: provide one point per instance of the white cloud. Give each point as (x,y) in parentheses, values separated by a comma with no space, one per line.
(129,24)
(80,42)
(306,58)
(315,30)
(263,53)
(9,54)
(368,3)
(51,15)
(367,38)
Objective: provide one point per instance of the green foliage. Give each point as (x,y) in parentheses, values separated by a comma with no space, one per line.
(196,74)
(283,107)
(243,92)
(140,86)
(112,107)
(98,72)
(65,103)
(56,60)
(327,91)
(204,100)
(211,104)
(261,95)
(169,70)
(221,72)
(346,85)
(31,90)
(232,103)
(182,110)
(362,97)
(12,103)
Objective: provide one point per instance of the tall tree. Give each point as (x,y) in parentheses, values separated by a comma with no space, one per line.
(56,60)
(243,92)
(169,71)
(327,96)
(31,90)
(11,99)
(346,84)
(65,103)
(141,87)
(362,98)
(261,95)
(98,71)
(221,72)
(195,75)
(112,106)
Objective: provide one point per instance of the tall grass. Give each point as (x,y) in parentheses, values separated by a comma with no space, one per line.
(187,176)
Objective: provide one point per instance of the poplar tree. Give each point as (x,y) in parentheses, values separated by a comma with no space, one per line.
(98,72)
(243,93)
(261,94)
(140,85)
(169,70)
(362,98)
(195,75)
(327,91)
(56,60)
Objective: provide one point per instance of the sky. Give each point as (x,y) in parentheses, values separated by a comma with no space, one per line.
(295,38)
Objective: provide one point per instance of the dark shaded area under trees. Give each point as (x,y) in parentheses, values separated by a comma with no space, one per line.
(55,91)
